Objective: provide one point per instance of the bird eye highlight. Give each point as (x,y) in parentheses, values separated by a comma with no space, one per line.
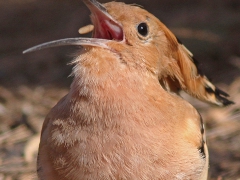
(143,29)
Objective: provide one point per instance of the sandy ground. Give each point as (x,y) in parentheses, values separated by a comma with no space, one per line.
(31,84)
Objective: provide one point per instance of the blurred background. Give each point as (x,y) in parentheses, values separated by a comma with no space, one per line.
(31,84)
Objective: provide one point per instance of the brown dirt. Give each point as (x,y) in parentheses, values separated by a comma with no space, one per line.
(31,84)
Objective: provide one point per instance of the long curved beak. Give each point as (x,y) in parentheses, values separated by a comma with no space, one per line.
(106,29)
(70,41)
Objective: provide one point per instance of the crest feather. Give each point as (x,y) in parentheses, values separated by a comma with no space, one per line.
(185,74)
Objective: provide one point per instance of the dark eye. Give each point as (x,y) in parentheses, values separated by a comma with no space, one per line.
(143,29)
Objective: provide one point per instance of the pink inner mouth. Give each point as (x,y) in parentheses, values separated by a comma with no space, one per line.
(106,28)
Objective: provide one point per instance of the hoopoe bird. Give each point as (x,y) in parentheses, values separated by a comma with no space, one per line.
(123,117)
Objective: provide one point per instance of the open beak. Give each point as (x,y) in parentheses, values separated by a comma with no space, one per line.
(106,29)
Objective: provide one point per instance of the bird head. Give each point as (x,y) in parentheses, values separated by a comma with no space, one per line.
(142,40)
